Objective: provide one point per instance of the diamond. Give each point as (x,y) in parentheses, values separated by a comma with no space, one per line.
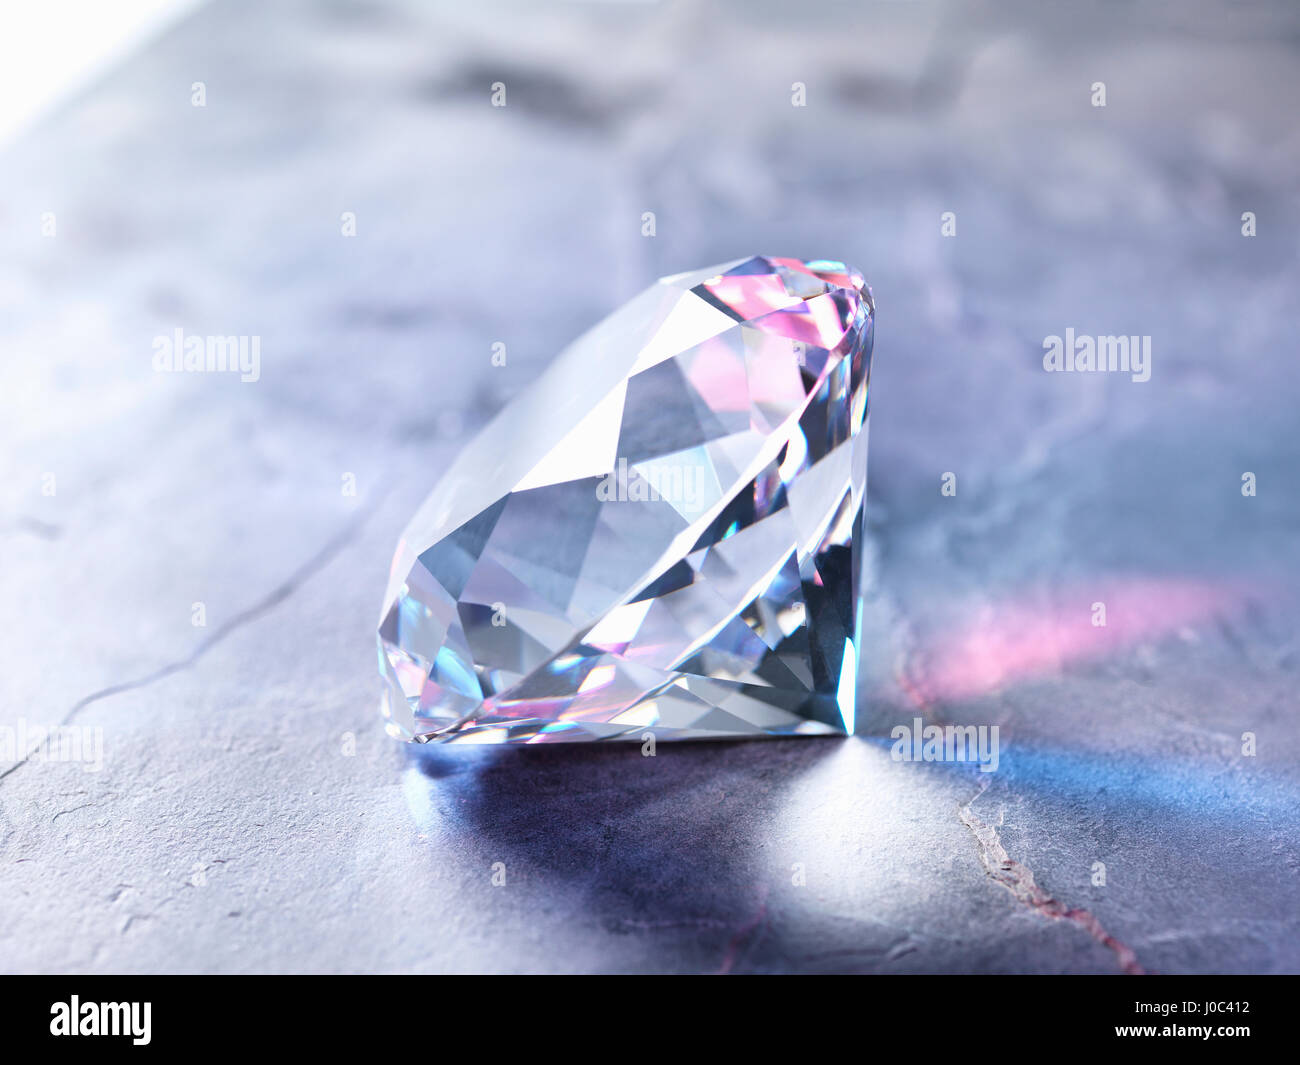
(663,534)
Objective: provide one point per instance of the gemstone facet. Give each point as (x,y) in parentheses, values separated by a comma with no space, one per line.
(661,535)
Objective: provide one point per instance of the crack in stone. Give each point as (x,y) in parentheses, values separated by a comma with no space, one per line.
(628,924)
(742,933)
(909,944)
(74,809)
(1000,867)
(277,595)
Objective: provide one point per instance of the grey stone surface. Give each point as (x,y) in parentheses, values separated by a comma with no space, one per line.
(229,828)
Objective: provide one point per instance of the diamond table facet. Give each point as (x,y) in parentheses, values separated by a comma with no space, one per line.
(663,534)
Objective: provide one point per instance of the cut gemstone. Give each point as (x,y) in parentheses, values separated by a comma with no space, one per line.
(662,535)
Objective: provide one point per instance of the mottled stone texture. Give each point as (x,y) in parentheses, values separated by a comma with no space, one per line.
(230,830)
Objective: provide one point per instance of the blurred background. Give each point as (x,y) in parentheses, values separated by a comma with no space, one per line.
(192,563)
